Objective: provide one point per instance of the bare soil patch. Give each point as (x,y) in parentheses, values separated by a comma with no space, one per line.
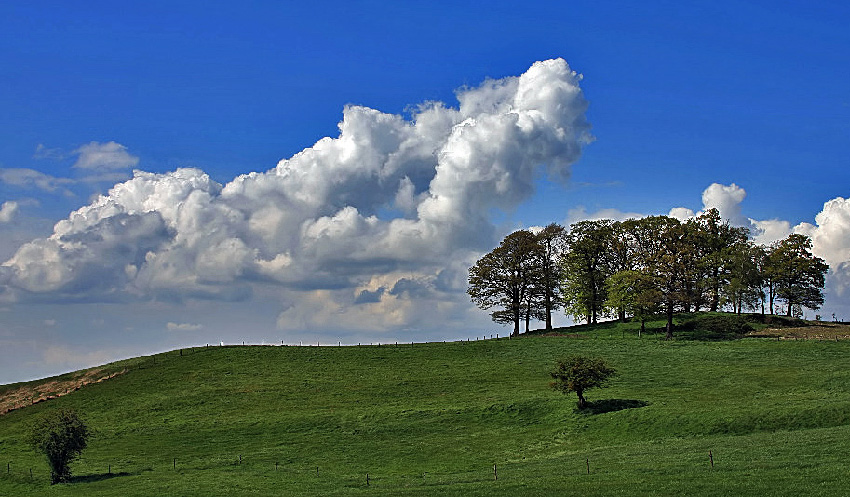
(823,331)
(30,393)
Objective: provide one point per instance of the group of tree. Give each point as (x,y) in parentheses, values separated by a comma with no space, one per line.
(642,268)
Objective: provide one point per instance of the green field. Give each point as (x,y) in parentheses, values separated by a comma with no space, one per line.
(433,419)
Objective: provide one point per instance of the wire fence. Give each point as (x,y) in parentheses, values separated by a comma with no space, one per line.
(271,470)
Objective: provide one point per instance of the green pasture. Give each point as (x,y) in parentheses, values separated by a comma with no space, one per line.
(434,419)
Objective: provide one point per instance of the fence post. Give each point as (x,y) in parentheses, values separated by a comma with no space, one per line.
(587,461)
(367,479)
(174,464)
(711,459)
(495,474)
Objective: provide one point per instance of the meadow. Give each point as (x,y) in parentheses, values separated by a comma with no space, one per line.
(698,415)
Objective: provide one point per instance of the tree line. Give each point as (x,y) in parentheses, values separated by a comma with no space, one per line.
(641,268)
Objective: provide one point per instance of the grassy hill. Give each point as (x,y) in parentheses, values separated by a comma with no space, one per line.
(433,419)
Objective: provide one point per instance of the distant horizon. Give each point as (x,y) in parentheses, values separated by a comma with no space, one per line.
(180,174)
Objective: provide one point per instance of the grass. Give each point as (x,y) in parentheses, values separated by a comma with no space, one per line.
(433,419)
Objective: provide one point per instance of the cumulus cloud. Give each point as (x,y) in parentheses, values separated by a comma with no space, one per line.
(8,211)
(317,225)
(104,156)
(727,200)
(831,233)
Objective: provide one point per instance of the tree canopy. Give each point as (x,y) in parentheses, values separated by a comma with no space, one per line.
(642,267)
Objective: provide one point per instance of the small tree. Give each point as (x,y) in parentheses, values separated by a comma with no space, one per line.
(580,373)
(61,436)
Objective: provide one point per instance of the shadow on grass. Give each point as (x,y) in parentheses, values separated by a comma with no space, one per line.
(96,478)
(611,405)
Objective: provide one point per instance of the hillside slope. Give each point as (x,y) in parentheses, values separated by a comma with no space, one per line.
(430,419)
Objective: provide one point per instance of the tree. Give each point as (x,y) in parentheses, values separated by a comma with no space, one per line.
(799,276)
(717,240)
(580,373)
(634,293)
(61,436)
(744,288)
(506,277)
(551,240)
(586,266)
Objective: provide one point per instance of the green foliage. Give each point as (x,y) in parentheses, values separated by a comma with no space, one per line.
(799,276)
(586,266)
(578,374)
(61,436)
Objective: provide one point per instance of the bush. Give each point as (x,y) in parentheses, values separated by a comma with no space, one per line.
(61,436)
(580,373)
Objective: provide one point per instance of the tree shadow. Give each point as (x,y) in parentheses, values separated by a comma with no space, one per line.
(98,477)
(611,405)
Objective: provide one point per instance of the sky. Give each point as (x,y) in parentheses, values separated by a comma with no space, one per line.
(182,173)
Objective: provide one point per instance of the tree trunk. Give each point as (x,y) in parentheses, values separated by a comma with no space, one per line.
(581,402)
(669,335)
(622,315)
(715,291)
(527,318)
(642,327)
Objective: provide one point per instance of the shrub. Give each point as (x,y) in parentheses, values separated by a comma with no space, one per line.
(61,436)
(580,373)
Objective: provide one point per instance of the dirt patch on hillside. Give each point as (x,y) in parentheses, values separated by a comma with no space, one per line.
(824,331)
(29,394)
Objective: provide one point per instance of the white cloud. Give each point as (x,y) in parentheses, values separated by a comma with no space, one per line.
(316,224)
(681,213)
(580,214)
(104,156)
(831,236)
(727,200)
(183,326)
(8,211)
(30,178)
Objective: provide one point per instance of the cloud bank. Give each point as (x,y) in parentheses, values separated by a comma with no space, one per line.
(390,210)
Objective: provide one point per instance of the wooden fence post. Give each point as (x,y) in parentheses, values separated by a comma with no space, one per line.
(711,459)
(367,479)
(495,474)
(587,461)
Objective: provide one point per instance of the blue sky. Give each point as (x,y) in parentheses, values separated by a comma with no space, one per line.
(680,96)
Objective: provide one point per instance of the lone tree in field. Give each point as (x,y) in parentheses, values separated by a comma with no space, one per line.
(61,436)
(580,373)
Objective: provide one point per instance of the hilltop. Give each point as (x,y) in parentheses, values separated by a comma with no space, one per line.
(435,418)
